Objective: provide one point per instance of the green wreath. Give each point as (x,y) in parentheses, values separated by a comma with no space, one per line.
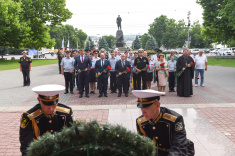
(92,139)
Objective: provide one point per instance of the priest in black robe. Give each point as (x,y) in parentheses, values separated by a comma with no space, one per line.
(184,82)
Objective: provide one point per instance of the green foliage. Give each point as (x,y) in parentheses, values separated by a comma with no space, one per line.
(68,31)
(136,44)
(144,39)
(14,64)
(23,23)
(92,139)
(151,44)
(103,44)
(110,40)
(197,39)
(219,20)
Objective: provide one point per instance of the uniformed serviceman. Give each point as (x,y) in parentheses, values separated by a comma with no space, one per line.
(164,126)
(47,116)
(140,65)
(25,68)
(59,57)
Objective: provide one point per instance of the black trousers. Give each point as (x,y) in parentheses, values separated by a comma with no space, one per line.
(171,81)
(26,77)
(77,78)
(138,77)
(59,67)
(123,83)
(135,81)
(68,81)
(83,81)
(113,81)
(102,85)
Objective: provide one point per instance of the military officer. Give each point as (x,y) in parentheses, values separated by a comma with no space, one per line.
(140,64)
(59,57)
(25,68)
(164,126)
(47,116)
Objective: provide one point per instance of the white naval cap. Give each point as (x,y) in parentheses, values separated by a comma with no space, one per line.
(147,93)
(48,89)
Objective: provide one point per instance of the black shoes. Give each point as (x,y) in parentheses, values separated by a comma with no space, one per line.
(87,96)
(80,96)
(105,95)
(100,96)
(119,95)
(126,94)
(66,92)
(71,92)
(92,92)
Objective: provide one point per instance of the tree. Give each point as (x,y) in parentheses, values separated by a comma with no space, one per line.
(197,39)
(110,40)
(151,43)
(68,31)
(13,29)
(158,29)
(144,39)
(87,45)
(219,20)
(92,44)
(103,44)
(136,44)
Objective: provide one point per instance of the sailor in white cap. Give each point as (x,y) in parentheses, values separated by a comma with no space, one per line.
(164,126)
(47,116)
(25,68)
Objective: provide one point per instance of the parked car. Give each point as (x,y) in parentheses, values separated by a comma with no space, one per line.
(225,51)
(39,54)
(194,51)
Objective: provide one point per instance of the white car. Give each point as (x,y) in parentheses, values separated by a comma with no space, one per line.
(39,54)
(194,51)
(225,51)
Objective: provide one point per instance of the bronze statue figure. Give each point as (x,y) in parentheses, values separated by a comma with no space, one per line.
(118,21)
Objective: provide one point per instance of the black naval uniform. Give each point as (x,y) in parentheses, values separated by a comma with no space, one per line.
(141,63)
(35,123)
(25,65)
(168,133)
(60,57)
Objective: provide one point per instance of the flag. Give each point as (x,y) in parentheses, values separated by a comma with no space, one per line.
(68,45)
(62,45)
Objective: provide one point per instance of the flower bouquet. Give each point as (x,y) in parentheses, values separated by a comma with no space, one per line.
(147,67)
(191,63)
(162,66)
(105,70)
(127,70)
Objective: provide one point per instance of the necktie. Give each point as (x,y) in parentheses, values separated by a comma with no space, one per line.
(82,58)
(123,64)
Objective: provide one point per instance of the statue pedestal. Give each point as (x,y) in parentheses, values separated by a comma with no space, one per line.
(120,44)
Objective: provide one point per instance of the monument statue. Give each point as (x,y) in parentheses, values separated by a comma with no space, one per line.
(118,21)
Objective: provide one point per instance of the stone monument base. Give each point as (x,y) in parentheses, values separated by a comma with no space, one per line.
(120,44)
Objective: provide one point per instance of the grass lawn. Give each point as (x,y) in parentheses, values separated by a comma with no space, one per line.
(221,62)
(13,64)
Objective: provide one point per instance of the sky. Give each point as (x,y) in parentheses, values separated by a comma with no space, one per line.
(98,17)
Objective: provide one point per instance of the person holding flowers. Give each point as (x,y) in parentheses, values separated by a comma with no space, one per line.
(140,64)
(150,71)
(122,69)
(185,74)
(162,68)
(102,68)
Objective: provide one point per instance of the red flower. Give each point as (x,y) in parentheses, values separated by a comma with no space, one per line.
(192,62)
(128,69)
(89,69)
(174,59)
(162,64)
(148,66)
(197,77)
(109,68)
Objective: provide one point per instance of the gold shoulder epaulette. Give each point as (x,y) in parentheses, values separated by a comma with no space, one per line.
(141,120)
(35,114)
(63,110)
(169,117)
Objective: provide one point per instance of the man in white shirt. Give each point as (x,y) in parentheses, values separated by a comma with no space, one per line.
(200,66)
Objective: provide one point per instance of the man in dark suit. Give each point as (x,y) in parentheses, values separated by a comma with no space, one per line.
(123,78)
(101,68)
(82,64)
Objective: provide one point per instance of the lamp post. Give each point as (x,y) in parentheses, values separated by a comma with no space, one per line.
(189,13)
